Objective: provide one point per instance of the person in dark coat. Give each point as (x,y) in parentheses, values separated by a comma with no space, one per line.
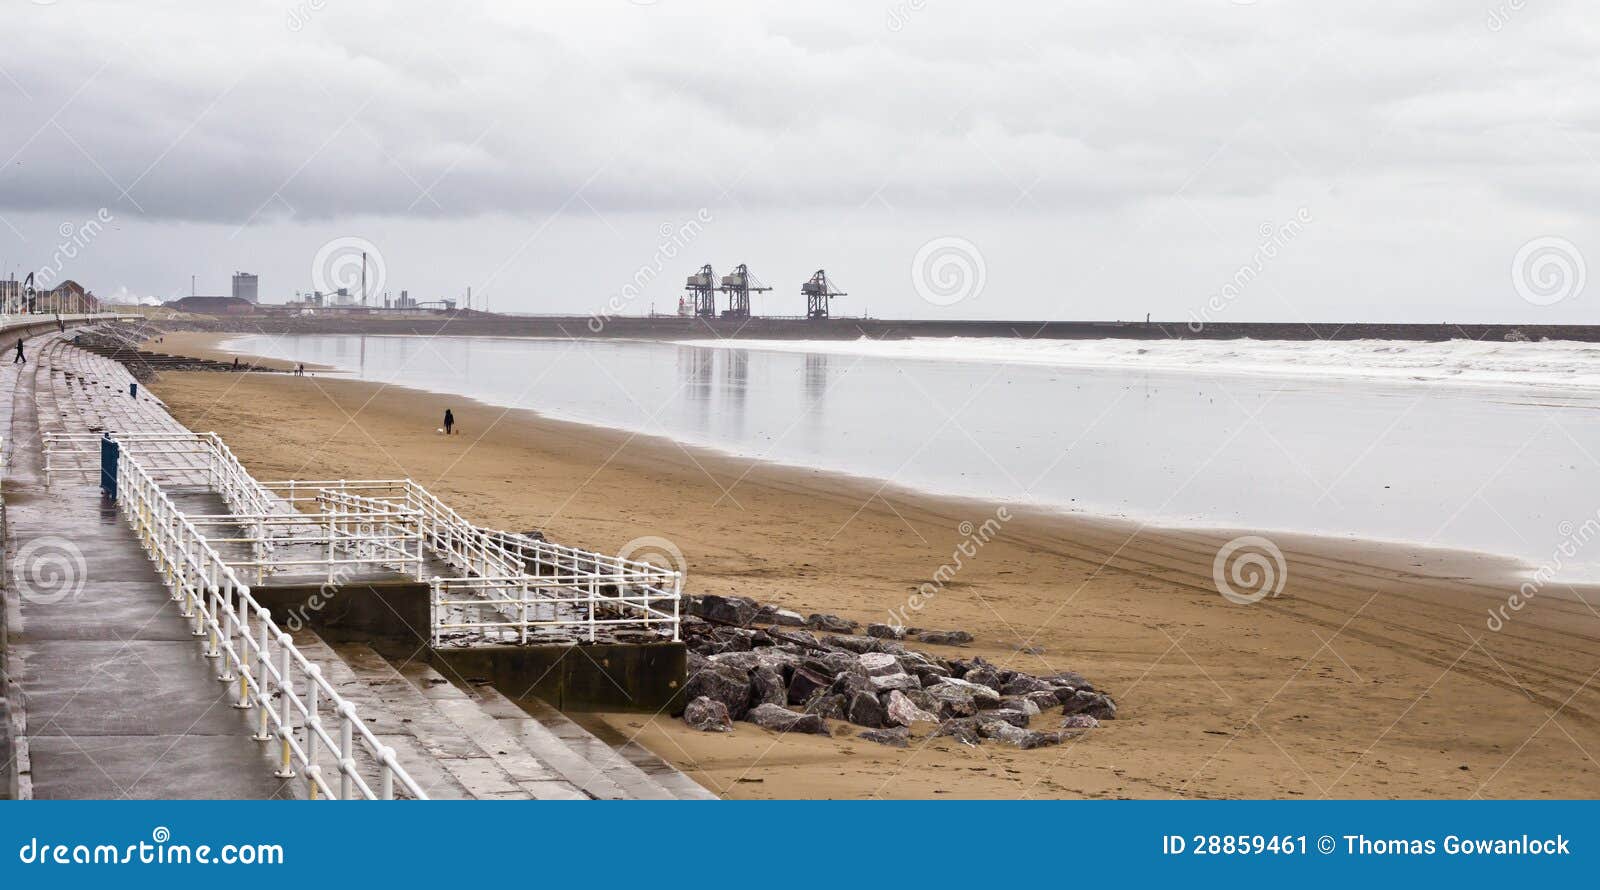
(449,422)
(20,357)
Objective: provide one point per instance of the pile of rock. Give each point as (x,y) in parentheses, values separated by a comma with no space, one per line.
(769,666)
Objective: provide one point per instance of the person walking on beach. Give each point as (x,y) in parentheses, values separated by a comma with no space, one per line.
(449,422)
(20,357)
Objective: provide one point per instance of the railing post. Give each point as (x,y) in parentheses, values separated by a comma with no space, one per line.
(286,721)
(347,748)
(313,726)
(244,702)
(386,777)
(263,657)
(436,586)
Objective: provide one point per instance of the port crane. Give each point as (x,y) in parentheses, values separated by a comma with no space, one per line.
(819,292)
(702,288)
(739,286)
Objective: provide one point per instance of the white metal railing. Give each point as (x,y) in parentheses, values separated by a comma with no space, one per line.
(516,588)
(495,586)
(256,654)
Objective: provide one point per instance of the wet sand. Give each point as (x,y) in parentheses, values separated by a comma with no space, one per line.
(1373,674)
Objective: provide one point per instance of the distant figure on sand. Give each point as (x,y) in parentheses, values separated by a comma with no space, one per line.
(236,363)
(449,422)
(20,357)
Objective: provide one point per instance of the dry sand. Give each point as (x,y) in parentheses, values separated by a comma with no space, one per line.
(1372,675)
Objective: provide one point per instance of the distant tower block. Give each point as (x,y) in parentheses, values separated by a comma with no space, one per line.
(819,292)
(739,286)
(702,288)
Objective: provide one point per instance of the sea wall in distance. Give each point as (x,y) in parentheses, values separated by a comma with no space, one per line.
(676,328)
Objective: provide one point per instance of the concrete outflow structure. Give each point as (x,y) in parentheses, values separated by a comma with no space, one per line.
(206,634)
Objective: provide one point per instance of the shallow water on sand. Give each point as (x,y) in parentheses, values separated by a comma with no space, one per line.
(1494,466)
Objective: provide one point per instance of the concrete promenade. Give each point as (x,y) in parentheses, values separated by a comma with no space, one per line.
(117,699)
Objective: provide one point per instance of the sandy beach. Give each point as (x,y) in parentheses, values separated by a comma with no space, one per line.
(1372,675)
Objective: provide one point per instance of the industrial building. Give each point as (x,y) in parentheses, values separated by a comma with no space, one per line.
(246,287)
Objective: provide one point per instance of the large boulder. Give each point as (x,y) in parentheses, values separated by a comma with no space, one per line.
(1096,704)
(1043,700)
(780,719)
(985,675)
(896,737)
(1079,721)
(901,711)
(807,680)
(1007,715)
(832,623)
(737,610)
(962,729)
(951,701)
(886,631)
(828,705)
(885,673)
(945,637)
(864,709)
(708,715)
(1015,735)
(1022,684)
(723,683)
(767,687)
(982,696)
(1070,678)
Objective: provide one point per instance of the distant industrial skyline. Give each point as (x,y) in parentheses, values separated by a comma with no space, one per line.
(1240,162)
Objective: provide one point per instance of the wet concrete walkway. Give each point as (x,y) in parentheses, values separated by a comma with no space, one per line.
(118,701)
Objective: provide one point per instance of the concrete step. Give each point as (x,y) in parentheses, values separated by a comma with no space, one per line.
(533,771)
(390,723)
(489,766)
(578,756)
(665,774)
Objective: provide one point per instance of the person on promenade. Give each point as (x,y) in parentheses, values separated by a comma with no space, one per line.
(20,357)
(449,422)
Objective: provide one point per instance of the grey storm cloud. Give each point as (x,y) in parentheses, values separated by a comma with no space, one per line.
(235,113)
(1108,159)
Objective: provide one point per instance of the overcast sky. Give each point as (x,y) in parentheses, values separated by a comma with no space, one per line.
(1423,161)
